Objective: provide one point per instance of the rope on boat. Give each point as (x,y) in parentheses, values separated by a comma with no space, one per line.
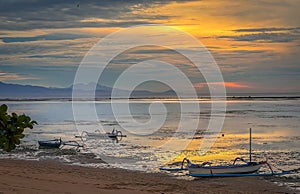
(185,160)
(239,158)
(270,167)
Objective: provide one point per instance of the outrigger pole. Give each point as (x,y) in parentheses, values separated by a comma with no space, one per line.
(250,145)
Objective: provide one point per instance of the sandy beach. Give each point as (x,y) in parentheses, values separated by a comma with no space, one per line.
(19,176)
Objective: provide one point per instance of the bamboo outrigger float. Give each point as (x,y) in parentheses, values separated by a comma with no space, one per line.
(206,169)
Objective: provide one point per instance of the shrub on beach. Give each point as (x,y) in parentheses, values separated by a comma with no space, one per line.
(12,128)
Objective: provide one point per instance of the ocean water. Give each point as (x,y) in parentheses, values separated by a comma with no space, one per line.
(275,124)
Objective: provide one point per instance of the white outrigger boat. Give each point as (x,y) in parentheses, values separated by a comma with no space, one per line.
(247,169)
(206,169)
(114,134)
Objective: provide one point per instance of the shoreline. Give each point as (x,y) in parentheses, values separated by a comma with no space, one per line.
(205,98)
(47,176)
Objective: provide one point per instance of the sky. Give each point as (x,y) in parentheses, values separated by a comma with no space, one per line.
(256,44)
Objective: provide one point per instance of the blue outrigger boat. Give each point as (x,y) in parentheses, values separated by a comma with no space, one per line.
(57,143)
(206,169)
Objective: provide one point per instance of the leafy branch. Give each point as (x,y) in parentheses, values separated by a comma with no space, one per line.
(12,128)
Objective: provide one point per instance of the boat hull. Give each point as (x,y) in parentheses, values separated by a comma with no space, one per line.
(231,169)
(49,144)
(239,175)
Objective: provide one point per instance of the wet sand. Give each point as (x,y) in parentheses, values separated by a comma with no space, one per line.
(19,176)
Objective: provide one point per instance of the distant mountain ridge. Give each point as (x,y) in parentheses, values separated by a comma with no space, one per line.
(17,91)
(29,91)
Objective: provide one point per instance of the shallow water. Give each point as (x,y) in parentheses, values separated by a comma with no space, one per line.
(275,124)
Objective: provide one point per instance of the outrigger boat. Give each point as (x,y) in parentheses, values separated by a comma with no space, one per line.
(114,134)
(206,169)
(248,169)
(57,143)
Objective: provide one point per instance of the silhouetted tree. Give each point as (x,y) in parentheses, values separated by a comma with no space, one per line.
(12,128)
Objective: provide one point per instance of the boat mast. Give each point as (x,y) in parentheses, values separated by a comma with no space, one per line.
(250,145)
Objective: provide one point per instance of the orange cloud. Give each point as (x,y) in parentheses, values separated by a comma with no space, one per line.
(236,85)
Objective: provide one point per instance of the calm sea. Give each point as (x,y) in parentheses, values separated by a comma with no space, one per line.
(275,123)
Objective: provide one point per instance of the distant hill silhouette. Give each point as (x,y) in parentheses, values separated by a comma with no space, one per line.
(17,91)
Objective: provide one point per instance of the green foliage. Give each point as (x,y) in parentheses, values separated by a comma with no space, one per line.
(12,128)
